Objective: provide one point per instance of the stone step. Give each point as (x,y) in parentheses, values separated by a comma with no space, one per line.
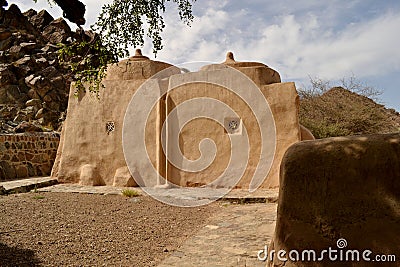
(26,185)
(48,184)
(236,196)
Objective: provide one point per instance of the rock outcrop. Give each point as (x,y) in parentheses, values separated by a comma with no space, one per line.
(34,84)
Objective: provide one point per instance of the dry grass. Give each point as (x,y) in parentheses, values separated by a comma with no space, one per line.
(130,193)
(339,112)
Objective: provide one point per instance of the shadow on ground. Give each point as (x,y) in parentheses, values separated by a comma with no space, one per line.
(14,256)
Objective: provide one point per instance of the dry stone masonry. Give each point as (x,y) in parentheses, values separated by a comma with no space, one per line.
(27,155)
(34,84)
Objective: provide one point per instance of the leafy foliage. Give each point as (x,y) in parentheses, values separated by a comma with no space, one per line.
(120,25)
(87,61)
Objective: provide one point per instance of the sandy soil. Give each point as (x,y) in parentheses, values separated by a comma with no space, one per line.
(67,229)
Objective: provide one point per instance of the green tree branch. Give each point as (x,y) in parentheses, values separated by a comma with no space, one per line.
(120,25)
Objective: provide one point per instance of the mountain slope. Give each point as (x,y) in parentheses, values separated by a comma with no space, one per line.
(339,112)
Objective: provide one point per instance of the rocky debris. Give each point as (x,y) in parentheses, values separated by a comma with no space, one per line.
(28,127)
(17,22)
(34,85)
(57,32)
(4,34)
(6,76)
(39,20)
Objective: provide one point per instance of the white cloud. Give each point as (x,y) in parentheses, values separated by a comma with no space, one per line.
(330,41)
(296,46)
(367,49)
(298,38)
(198,42)
(24,5)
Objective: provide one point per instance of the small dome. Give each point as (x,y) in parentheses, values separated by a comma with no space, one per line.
(260,73)
(135,68)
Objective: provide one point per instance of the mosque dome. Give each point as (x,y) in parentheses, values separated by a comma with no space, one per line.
(135,68)
(260,73)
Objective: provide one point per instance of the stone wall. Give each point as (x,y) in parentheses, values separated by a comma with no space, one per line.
(27,155)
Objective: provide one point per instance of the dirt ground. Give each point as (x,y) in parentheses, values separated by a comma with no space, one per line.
(67,229)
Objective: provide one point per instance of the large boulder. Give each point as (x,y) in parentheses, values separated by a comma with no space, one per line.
(340,193)
(41,19)
(28,127)
(7,77)
(5,34)
(14,19)
(11,94)
(40,84)
(57,31)
(6,40)
(74,10)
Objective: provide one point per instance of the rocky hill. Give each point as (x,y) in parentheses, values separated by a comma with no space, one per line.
(339,112)
(34,85)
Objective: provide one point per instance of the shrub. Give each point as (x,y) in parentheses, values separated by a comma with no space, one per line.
(339,111)
(130,193)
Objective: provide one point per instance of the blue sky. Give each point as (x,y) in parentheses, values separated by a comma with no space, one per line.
(325,39)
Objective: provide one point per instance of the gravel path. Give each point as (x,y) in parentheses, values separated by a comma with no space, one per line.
(66,229)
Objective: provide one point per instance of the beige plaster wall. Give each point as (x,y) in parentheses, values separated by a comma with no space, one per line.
(283,101)
(86,141)
(88,154)
(201,128)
